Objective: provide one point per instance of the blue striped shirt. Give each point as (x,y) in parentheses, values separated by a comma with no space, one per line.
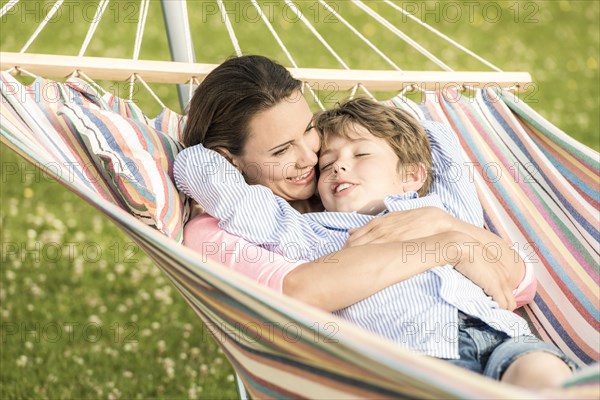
(420,313)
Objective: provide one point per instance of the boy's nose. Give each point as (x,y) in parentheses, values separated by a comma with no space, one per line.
(337,167)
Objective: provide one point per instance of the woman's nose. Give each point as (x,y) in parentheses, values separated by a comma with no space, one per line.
(307,157)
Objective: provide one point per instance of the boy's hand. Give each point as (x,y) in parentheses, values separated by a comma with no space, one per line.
(399,226)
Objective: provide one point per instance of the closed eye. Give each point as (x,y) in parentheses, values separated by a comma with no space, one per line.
(326,166)
(362,154)
(281,151)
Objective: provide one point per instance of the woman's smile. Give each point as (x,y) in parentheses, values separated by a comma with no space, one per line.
(303,179)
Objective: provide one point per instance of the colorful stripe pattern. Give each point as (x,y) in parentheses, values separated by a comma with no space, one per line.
(547,208)
(280,347)
(138,161)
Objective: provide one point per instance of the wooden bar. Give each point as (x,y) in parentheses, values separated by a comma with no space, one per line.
(117,69)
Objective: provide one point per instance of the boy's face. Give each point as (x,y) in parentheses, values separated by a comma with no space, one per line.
(358,173)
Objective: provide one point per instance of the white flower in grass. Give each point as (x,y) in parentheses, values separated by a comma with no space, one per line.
(120,269)
(195,351)
(131,347)
(78,267)
(144,295)
(230,378)
(110,277)
(36,291)
(122,308)
(155,325)
(22,361)
(102,309)
(183,356)
(146,332)
(162,346)
(10,275)
(79,236)
(5,313)
(30,307)
(28,345)
(51,378)
(94,319)
(13,207)
(194,391)
(169,366)
(190,372)
(31,234)
(127,374)
(114,394)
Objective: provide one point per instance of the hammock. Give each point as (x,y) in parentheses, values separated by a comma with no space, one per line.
(538,187)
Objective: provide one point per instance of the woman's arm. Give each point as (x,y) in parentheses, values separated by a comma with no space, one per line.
(405,225)
(354,273)
(347,276)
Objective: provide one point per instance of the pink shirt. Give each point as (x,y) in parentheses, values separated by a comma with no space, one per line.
(202,233)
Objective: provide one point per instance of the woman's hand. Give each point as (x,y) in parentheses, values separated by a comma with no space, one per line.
(399,226)
(483,268)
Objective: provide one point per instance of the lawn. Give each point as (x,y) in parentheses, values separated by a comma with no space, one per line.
(85,314)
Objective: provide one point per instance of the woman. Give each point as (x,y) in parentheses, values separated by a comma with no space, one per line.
(251,110)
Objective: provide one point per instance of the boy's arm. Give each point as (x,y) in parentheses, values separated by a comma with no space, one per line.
(250,211)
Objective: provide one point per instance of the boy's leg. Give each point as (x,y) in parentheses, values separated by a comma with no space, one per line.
(529,362)
(474,343)
(537,370)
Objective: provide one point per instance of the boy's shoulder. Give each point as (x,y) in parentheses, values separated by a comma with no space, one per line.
(438,132)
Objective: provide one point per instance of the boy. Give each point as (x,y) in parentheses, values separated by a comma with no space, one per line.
(375,159)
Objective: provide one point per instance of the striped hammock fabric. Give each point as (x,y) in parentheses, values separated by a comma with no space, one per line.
(539,190)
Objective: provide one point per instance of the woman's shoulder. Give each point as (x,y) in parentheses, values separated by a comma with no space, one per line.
(200,227)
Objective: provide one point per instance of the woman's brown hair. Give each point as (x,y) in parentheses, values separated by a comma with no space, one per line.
(230,96)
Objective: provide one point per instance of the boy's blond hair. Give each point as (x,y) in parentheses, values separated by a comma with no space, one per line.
(400,129)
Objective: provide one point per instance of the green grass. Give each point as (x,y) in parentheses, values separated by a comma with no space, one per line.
(69,276)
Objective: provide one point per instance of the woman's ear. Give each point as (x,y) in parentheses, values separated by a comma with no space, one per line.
(228,156)
(414,177)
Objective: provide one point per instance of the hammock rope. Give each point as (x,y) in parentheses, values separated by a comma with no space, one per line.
(232,35)
(140,28)
(441,35)
(42,25)
(360,35)
(92,30)
(7,7)
(384,22)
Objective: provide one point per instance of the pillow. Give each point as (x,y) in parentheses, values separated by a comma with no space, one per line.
(137,161)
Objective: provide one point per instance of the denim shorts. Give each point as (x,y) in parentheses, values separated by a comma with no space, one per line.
(490,352)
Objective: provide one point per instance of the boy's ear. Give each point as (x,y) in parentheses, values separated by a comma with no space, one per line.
(414,176)
(228,156)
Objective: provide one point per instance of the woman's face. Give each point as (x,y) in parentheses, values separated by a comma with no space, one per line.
(281,150)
